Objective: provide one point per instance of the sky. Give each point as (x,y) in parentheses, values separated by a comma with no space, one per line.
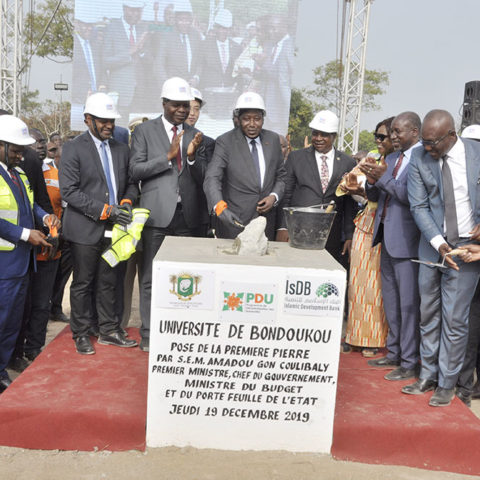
(427,46)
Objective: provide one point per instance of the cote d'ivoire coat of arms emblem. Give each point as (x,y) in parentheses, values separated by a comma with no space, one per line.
(185,286)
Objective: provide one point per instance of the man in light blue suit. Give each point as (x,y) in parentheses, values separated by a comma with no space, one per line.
(442,189)
(396,230)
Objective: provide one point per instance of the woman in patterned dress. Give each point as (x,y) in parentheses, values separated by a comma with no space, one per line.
(366,326)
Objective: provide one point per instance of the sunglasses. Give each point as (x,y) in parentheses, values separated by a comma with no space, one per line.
(52,149)
(380,136)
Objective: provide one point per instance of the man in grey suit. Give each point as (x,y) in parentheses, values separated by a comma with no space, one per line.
(396,230)
(123,53)
(168,159)
(94,182)
(246,177)
(313,175)
(442,190)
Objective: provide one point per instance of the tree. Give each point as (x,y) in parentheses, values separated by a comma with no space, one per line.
(328,91)
(50,28)
(301,114)
(366,141)
(48,117)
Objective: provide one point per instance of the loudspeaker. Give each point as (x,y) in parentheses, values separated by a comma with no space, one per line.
(471,104)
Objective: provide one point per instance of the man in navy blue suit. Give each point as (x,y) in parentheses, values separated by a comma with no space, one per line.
(399,235)
(17,235)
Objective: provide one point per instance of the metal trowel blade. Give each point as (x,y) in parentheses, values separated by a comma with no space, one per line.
(430,264)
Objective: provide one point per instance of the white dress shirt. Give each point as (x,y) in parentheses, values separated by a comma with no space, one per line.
(406,158)
(225,45)
(261,159)
(458,167)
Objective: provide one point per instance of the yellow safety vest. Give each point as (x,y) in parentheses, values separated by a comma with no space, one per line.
(9,207)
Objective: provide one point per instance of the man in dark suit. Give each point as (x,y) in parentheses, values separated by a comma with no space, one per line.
(123,56)
(277,71)
(17,235)
(396,230)
(246,177)
(313,175)
(218,54)
(209,143)
(444,199)
(168,160)
(94,182)
(176,53)
(88,73)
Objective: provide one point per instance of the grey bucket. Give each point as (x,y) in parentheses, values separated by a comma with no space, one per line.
(308,227)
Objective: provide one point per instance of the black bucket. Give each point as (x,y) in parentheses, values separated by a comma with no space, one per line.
(308,227)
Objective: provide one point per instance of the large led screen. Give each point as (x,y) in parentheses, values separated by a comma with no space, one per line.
(128,48)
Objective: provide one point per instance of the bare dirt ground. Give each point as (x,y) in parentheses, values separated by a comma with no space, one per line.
(193,464)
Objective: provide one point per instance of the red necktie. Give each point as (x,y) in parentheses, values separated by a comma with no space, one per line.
(394,175)
(132,38)
(15,180)
(179,153)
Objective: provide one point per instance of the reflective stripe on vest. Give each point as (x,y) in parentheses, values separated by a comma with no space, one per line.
(9,206)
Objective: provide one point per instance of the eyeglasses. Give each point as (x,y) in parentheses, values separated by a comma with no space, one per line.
(380,136)
(434,143)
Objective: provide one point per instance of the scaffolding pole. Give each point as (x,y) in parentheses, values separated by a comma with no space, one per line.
(11,27)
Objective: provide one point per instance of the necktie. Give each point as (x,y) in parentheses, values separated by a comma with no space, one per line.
(179,153)
(394,175)
(106,169)
(324,173)
(90,66)
(451,223)
(256,160)
(132,38)
(223,54)
(15,180)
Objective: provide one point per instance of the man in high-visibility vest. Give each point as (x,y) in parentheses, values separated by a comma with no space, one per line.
(17,235)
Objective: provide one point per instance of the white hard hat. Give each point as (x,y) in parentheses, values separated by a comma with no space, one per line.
(177,89)
(250,100)
(133,3)
(197,95)
(223,18)
(15,131)
(183,6)
(101,105)
(472,131)
(325,121)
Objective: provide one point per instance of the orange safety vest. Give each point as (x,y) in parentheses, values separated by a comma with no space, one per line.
(50,173)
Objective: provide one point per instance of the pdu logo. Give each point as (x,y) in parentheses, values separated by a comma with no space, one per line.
(236,301)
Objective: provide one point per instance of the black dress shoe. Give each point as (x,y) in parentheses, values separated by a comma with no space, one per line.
(401,373)
(383,362)
(17,364)
(32,355)
(419,387)
(144,345)
(5,382)
(117,339)
(84,346)
(465,397)
(442,397)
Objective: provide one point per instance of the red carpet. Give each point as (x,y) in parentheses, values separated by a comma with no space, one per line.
(68,401)
(376,423)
